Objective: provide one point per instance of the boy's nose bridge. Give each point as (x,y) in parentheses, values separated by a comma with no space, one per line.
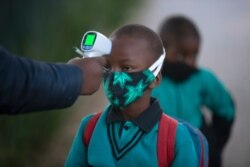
(115,68)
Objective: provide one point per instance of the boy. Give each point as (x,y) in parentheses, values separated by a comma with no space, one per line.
(186,88)
(126,132)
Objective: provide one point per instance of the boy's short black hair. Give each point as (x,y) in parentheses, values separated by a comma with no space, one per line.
(172,29)
(141,32)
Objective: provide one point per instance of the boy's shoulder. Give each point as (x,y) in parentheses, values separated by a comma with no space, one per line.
(85,121)
(86,118)
(207,73)
(180,129)
(209,80)
(182,134)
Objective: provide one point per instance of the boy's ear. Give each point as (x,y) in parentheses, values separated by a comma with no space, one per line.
(156,82)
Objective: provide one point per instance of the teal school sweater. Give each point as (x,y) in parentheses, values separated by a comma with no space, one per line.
(124,143)
(185,100)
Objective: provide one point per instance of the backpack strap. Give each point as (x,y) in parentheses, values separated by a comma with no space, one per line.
(90,128)
(202,153)
(204,150)
(166,140)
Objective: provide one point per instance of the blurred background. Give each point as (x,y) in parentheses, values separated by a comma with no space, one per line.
(47,30)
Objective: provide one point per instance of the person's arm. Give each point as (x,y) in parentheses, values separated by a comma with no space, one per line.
(27,85)
(185,154)
(77,156)
(221,103)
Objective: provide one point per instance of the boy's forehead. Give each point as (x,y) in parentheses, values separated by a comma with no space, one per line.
(131,48)
(130,43)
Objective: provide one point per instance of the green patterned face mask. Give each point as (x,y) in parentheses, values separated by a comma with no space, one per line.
(123,88)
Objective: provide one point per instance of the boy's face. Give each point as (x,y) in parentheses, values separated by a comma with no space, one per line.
(129,78)
(184,49)
(189,43)
(129,55)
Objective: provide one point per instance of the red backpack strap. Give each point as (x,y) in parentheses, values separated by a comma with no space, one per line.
(166,140)
(90,128)
(202,153)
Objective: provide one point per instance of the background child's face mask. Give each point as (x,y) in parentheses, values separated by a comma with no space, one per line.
(123,88)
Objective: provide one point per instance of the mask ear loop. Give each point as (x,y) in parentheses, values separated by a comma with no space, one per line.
(156,67)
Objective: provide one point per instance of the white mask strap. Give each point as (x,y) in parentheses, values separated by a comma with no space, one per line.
(156,67)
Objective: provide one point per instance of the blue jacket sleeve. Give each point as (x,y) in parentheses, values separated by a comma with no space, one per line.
(27,85)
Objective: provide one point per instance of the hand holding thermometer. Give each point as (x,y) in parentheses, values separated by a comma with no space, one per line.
(94,44)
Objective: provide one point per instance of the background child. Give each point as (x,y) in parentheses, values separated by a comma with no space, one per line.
(126,132)
(186,88)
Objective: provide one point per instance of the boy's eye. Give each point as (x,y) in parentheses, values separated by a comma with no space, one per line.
(126,68)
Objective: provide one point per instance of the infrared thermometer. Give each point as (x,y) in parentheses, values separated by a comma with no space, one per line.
(94,44)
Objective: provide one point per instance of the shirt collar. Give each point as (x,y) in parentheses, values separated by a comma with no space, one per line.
(146,120)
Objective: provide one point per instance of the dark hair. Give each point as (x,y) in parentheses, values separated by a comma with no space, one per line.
(172,29)
(141,32)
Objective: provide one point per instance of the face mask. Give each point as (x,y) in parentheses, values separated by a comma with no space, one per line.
(178,71)
(123,88)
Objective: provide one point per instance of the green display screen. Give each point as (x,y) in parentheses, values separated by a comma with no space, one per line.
(90,39)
